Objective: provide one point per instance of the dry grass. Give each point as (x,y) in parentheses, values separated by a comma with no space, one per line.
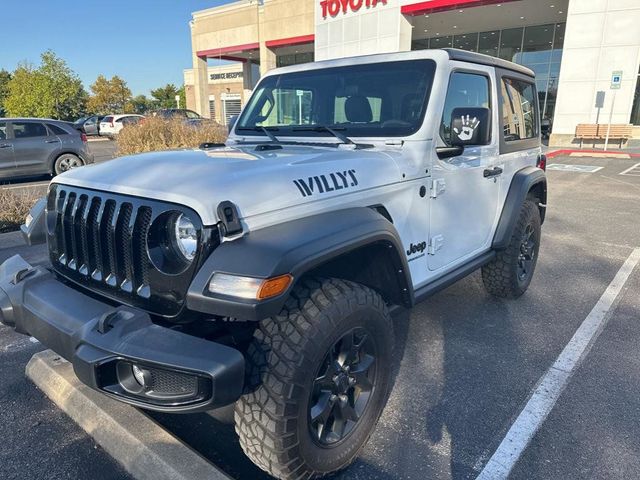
(159,134)
(14,206)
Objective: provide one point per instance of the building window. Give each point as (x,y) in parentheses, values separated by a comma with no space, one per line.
(212,107)
(511,44)
(538,47)
(489,42)
(294,59)
(635,110)
(231,106)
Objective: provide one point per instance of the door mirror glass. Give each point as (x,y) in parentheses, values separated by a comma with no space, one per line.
(470,126)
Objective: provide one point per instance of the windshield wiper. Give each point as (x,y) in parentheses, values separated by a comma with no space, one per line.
(264,130)
(323,128)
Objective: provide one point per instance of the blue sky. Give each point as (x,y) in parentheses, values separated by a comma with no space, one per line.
(146,42)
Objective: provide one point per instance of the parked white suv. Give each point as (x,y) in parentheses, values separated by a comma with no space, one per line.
(111,125)
(265,271)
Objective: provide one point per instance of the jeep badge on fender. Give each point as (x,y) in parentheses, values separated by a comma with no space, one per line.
(419,248)
(261,274)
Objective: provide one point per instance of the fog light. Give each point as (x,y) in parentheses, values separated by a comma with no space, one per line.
(139,375)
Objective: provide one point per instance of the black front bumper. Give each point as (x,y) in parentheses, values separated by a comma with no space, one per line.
(102,341)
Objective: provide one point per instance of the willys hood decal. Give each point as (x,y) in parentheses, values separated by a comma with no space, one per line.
(256,181)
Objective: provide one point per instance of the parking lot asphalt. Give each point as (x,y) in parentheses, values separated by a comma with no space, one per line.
(466,364)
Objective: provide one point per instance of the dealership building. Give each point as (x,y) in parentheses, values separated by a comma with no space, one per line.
(577,48)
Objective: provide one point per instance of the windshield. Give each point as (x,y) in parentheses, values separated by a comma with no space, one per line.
(370,100)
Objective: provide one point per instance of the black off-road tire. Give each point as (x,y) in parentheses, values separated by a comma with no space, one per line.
(273,418)
(503,276)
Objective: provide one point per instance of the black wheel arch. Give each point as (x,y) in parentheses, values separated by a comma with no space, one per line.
(357,244)
(527,182)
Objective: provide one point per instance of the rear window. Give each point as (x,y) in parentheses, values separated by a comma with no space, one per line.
(57,130)
(3,130)
(107,119)
(29,129)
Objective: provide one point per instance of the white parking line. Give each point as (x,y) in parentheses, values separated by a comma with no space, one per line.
(630,171)
(568,167)
(553,382)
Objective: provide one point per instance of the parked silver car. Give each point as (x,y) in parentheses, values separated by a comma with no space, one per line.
(35,146)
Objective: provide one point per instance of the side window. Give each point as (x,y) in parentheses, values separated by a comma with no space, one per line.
(56,129)
(29,130)
(519,117)
(465,90)
(3,130)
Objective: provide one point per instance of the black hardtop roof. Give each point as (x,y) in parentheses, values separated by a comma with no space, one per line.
(482,59)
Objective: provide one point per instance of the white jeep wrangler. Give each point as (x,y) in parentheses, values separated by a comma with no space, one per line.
(263,271)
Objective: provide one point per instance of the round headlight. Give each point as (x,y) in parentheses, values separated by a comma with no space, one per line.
(186,237)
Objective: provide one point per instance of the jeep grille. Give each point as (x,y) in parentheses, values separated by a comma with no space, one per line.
(99,240)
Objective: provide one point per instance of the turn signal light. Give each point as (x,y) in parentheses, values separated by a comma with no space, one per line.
(274,286)
(249,287)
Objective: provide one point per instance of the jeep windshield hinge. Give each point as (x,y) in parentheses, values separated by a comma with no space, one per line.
(435,243)
(438,187)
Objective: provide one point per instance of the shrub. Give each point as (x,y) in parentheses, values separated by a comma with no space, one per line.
(14,207)
(156,133)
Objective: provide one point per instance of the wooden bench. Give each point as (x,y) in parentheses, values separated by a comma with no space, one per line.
(586,131)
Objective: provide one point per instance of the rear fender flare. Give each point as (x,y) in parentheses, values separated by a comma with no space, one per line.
(522,183)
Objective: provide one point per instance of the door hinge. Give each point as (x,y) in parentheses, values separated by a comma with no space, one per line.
(438,187)
(435,243)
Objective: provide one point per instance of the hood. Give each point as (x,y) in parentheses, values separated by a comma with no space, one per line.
(256,181)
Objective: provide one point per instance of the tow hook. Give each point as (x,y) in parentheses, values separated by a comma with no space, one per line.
(22,274)
(107,320)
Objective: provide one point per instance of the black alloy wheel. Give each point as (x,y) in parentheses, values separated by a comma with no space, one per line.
(527,253)
(342,388)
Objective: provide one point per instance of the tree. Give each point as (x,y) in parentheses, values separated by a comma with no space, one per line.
(50,90)
(5,78)
(140,104)
(110,96)
(165,97)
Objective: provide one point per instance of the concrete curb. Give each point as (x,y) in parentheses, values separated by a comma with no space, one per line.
(140,445)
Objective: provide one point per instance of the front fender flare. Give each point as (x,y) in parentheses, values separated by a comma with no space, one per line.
(293,247)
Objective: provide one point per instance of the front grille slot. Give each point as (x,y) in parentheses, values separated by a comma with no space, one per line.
(139,250)
(93,232)
(99,240)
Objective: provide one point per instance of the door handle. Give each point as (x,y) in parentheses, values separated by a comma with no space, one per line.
(51,141)
(492,172)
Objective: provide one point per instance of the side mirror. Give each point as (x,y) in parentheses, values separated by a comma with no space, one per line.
(232,121)
(470,126)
